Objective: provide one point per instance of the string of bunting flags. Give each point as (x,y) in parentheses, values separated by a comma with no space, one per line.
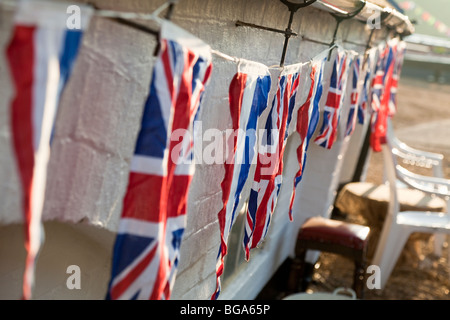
(426,16)
(41,55)
(248,98)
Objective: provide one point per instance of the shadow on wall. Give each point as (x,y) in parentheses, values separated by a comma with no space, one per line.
(74,262)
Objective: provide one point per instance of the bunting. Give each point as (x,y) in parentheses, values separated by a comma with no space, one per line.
(327,134)
(426,16)
(366,91)
(353,111)
(398,63)
(248,95)
(146,250)
(269,167)
(41,55)
(307,121)
(382,84)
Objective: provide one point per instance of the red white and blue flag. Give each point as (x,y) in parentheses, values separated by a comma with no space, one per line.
(269,166)
(307,121)
(353,111)
(398,63)
(365,93)
(381,85)
(146,251)
(248,95)
(384,90)
(328,131)
(41,55)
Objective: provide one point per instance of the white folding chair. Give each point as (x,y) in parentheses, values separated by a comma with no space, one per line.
(399,225)
(418,158)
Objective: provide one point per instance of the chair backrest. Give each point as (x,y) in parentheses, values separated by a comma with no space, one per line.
(413,156)
(395,172)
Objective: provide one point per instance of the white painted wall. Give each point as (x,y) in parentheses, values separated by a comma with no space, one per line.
(96,129)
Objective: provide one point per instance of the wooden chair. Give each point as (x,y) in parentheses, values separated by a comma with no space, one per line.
(347,239)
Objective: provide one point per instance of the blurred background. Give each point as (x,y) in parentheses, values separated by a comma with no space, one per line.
(428,50)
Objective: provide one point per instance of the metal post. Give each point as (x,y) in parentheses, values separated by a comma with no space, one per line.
(287,35)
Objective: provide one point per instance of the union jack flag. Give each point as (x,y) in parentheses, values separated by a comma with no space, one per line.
(307,120)
(365,90)
(41,55)
(388,80)
(401,47)
(381,85)
(327,134)
(248,94)
(153,220)
(352,115)
(269,167)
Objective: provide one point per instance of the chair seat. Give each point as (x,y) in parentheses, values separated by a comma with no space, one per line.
(424,219)
(330,231)
(362,197)
(371,201)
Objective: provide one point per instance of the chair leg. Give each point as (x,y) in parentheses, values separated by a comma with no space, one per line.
(439,239)
(390,246)
(358,278)
(297,272)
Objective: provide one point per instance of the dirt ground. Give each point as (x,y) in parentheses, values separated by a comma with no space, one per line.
(419,274)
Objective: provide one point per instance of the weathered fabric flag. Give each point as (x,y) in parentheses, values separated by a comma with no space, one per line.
(381,86)
(248,94)
(365,93)
(328,131)
(269,167)
(307,121)
(398,63)
(146,251)
(41,55)
(384,90)
(353,111)
(362,104)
